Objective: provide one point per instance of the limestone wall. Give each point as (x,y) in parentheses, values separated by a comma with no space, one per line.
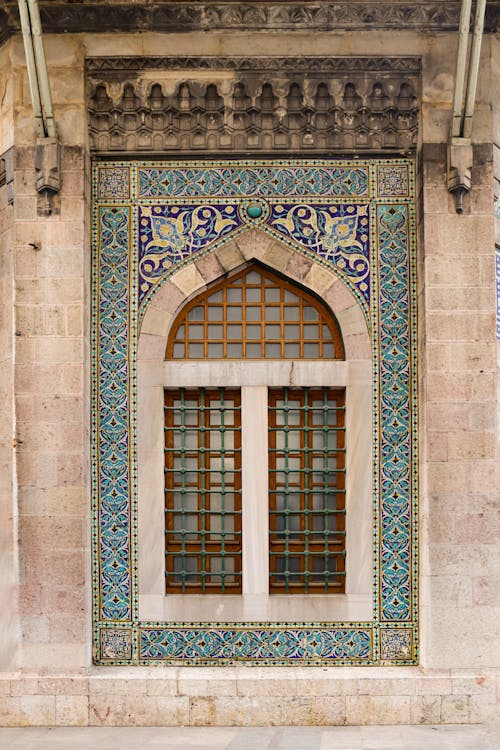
(45,283)
(8,521)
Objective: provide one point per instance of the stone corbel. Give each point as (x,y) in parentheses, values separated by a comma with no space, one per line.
(48,171)
(459,170)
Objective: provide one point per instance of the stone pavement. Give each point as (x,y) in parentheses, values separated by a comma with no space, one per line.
(445,737)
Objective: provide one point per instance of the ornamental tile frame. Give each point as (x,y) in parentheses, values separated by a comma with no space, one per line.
(354,217)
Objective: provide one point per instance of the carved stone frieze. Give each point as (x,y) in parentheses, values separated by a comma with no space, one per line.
(63,16)
(277,109)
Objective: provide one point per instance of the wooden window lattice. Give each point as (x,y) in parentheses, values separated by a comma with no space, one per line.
(255,315)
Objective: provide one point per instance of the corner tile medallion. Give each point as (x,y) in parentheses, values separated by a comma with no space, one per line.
(357,219)
(395,644)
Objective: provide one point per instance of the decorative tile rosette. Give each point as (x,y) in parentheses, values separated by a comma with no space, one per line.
(356,218)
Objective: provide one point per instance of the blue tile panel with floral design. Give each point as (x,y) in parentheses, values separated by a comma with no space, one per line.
(356,219)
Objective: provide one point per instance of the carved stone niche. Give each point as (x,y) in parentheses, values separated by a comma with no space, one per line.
(337,109)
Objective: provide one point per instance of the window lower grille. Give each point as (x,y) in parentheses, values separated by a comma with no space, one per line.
(306,490)
(203,491)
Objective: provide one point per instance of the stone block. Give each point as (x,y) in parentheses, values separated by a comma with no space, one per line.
(151,347)
(378,709)
(189,280)
(210,685)
(122,710)
(298,267)
(38,710)
(124,686)
(172,711)
(168,297)
(10,712)
(209,268)
(278,256)
(229,256)
(69,686)
(72,710)
(319,279)
(156,321)
(59,350)
(471,445)
(162,687)
(425,709)
(486,589)
(266,687)
(454,709)
(447,416)
(466,270)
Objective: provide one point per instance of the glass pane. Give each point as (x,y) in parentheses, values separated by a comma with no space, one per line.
(215,312)
(291,313)
(273,351)
(292,350)
(197,313)
(272,313)
(180,333)
(253,332)
(253,295)
(309,313)
(196,351)
(215,332)
(235,351)
(253,278)
(234,332)
(215,351)
(253,313)
(273,332)
(234,313)
(196,332)
(311,351)
(191,417)
(311,332)
(217,297)
(292,332)
(289,297)
(178,351)
(328,351)
(272,295)
(233,294)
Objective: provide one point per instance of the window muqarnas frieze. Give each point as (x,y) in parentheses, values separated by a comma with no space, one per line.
(351,220)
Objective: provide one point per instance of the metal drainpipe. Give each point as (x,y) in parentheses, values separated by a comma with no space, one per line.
(41,66)
(32,73)
(474,68)
(458,96)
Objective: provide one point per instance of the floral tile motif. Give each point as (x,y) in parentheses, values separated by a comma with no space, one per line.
(114,183)
(395,644)
(116,643)
(150,219)
(392,181)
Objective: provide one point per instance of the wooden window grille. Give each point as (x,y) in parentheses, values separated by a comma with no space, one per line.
(306,490)
(255,314)
(203,490)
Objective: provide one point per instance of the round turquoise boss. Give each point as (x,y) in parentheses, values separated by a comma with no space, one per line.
(254,210)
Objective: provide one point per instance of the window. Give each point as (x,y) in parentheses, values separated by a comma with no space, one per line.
(246,515)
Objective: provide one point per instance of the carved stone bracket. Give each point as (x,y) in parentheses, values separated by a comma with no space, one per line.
(278,105)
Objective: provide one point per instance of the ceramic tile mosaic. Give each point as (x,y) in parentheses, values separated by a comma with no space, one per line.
(357,219)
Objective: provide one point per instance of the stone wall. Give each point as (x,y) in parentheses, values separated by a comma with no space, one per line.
(46,262)
(8,523)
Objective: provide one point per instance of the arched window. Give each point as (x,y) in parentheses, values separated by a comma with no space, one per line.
(254,468)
